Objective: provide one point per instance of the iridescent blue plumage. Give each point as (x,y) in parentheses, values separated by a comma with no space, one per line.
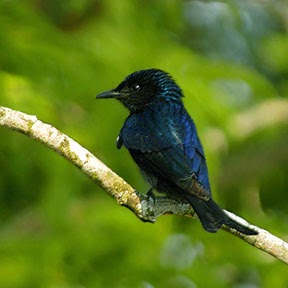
(162,139)
(164,135)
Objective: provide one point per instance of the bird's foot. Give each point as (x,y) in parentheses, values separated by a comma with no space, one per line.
(150,193)
(151,196)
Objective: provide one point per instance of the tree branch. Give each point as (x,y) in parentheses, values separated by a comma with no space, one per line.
(145,207)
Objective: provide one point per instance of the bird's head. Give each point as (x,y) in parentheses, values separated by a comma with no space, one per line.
(142,88)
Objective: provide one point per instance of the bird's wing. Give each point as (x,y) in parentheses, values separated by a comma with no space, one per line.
(170,148)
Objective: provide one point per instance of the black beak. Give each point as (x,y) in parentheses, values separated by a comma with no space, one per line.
(109,94)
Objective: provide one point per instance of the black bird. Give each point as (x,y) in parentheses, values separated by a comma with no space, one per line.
(163,141)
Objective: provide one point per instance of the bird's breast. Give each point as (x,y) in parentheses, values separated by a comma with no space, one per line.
(149,131)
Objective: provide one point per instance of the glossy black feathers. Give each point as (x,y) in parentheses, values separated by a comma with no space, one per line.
(163,141)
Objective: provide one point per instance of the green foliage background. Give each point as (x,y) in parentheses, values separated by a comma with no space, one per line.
(57,229)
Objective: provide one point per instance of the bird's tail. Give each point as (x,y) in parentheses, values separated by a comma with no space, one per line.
(213,217)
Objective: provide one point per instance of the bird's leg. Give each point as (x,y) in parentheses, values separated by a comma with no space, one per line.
(150,193)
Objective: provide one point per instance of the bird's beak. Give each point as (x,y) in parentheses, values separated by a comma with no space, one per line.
(109,94)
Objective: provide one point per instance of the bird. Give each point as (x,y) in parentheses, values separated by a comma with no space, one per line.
(163,141)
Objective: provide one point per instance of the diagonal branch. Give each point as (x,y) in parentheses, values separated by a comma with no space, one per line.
(145,207)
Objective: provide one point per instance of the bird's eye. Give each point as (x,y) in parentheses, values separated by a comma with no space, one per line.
(136,88)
